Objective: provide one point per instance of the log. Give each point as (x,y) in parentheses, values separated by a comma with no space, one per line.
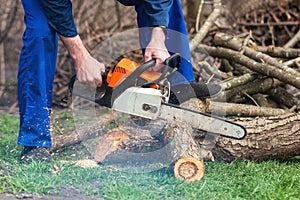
(185,151)
(189,168)
(278,52)
(108,143)
(74,137)
(238,81)
(267,138)
(257,86)
(274,137)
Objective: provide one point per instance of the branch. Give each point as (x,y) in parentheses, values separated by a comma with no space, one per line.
(284,23)
(261,68)
(257,86)
(199,14)
(238,81)
(92,131)
(278,51)
(293,41)
(229,41)
(207,25)
(233,109)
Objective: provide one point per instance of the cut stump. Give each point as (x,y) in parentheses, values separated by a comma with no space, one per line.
(189,168)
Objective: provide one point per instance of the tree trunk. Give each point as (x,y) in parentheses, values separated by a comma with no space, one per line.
(267,138)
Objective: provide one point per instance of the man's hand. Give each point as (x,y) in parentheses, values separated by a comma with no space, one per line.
(87,68)
(89,71)
(157,48)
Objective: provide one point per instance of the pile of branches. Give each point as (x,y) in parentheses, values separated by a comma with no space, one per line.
(260,77)
(271,22)
(252,74)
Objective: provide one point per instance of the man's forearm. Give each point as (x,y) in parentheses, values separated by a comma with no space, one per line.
(87,68)
(75,47)
(158,34)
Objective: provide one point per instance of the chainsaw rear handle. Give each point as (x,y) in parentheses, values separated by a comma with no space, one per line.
(74,78)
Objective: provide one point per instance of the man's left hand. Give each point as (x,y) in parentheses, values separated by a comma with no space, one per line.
(156,48)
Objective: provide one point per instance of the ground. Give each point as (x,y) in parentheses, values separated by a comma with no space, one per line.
(64,194)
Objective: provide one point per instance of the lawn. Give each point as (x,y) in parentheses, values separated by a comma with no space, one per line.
(237,180)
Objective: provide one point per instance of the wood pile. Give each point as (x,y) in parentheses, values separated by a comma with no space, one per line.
(254,53)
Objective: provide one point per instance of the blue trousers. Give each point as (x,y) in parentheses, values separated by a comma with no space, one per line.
(37,65)
(36,72)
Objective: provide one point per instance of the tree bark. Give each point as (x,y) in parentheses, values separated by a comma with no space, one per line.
(238,81)
(188,163)
(267,138)
(278,52)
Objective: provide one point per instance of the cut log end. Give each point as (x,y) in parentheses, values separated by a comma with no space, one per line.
(189,169)
(109,143)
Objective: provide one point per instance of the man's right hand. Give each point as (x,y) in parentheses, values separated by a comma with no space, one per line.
(88,69)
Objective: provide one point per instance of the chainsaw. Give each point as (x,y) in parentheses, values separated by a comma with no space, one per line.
(133,89)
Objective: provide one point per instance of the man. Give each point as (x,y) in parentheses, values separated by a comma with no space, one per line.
(48,20)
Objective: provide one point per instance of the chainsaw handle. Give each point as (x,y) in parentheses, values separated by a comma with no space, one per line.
(174,61)
(171,65)
(74,78)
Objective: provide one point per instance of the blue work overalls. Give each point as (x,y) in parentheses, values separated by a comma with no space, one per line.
(36,72)
(37,65)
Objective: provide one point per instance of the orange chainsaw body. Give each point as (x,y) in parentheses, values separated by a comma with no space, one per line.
(124,68)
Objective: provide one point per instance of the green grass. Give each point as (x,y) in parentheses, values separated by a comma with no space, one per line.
(237,180)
